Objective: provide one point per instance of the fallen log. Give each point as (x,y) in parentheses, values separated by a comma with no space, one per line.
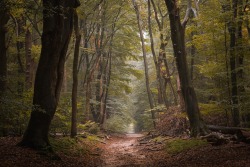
(216,138)
(243,134)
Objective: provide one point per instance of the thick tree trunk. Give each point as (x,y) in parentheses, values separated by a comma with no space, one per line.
(150,98)
(57,29)
(178,39)
(75,78)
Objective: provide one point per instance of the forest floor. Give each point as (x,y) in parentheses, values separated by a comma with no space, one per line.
(129,150)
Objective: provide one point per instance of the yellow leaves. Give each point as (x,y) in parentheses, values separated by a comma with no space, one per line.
(35,51)
(211,108)
(210,68)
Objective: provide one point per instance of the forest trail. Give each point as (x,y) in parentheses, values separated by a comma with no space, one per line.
(132,150)
(128,151)
(122,151)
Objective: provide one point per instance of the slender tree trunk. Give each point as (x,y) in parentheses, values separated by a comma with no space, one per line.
(75,77)
(162,97)
(88,105)
(4,18)
(20,23)
(162,57)
(150,98)
(178,39)
(108,74)
(234,88)
(167,76)
(29,61)
(227,69)
(241,78)
(103,92)
(57,29)
(99,90)
(90,74)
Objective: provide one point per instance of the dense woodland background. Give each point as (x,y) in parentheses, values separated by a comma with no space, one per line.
(127,63)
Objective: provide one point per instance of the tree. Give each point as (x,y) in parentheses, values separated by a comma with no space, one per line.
(4,17)
(178,39)
(162,97)
(57,29)
(234,89)
(75,77)
(150,98)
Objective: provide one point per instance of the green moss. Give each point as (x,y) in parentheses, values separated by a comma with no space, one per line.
(158,139)
(70,146)
(179,145)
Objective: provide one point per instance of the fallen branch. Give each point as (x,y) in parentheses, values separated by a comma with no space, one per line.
(243,134)
(216,138)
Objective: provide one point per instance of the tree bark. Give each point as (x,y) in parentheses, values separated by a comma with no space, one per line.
(178,39)
(29,72)
(57,30)
(234,88)
(75,77)
(4,18)
(150,98)
(162,97)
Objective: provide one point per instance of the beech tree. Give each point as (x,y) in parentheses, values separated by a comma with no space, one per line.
(57,30)
(178,39)
(150,98)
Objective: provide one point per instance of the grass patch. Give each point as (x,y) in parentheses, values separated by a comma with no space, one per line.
(179,145)
(70,146)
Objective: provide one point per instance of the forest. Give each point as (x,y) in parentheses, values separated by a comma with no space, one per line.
(124,83)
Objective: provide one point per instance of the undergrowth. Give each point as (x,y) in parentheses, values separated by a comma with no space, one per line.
(71,146)
(179,145)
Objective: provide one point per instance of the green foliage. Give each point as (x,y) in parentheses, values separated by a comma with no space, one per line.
(179,145)
(211,108)
(62,118)
(15,112)
(90,127)
(117,123)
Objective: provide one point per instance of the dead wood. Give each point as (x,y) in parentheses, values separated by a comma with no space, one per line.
(233,133)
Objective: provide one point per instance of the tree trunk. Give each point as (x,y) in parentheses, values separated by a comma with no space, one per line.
(75,78)
(4,18)
(162,97)
(178,39)
(57,30)
(150,98)
(107,82)
(234,89)
(29,61)
(180,95)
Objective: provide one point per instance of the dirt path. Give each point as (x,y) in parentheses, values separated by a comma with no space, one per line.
(123,151)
